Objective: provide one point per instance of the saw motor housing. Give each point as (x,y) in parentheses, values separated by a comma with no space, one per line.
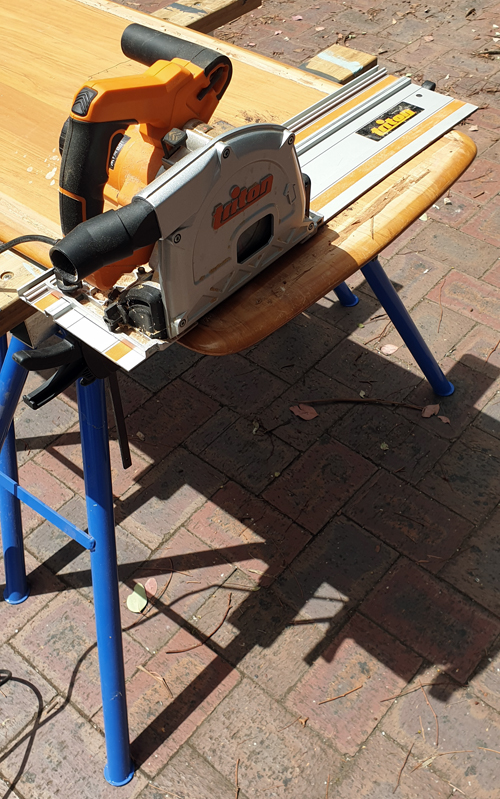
(117,135)
(220,206)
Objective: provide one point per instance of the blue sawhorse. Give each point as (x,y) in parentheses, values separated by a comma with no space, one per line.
(100,539)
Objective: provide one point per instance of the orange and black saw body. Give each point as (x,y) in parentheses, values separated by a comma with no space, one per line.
(112,144)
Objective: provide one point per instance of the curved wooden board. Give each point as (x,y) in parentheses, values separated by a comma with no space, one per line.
(339,249)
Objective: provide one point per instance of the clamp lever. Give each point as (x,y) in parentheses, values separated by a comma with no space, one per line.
(74,360)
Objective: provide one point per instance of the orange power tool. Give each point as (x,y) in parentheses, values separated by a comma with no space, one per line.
(120,129)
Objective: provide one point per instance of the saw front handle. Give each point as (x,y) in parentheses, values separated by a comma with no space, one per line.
(184,81)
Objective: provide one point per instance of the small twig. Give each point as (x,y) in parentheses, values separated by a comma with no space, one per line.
(380,335)
(201,643)
(429,760)
(422,728)
(436,718)
(492,351)
(456,789)
(327,786)
(489,750)
(236,786)
(411,691)
(440,305)
(478,177)
(340,695)
(303,720)
(158,678)
(402,767)
(366,400)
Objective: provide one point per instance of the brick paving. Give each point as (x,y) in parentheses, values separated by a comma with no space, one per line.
(361,549)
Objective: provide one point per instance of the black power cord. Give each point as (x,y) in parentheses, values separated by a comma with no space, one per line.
(23,239)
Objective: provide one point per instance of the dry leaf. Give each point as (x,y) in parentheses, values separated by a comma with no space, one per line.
(430,410)
(137,600)
(447,201)
(389,349)
(297,17)
(304,412)
(444,419)
(151,587)
(319,29)
(473,127)
(428,38)
(304,720)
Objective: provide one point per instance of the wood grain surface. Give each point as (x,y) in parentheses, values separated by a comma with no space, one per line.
(47,52)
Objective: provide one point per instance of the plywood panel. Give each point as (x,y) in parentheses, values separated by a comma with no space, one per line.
(47,52)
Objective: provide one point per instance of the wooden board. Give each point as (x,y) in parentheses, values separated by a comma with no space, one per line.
(340,64)
(47,52)
(42,66)
(239,54)
(205,15)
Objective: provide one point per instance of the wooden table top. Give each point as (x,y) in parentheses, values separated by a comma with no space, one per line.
(49,49)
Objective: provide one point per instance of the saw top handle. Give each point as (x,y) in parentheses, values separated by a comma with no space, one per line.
(147,46)
(184,81)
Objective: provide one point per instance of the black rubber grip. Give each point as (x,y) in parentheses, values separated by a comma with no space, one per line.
(56,384)
(84,168)
(104,239)
(59,354)
(146,46)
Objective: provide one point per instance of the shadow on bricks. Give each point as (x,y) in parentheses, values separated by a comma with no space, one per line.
(343,542)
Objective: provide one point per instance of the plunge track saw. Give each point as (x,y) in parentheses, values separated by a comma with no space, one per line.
(198,209)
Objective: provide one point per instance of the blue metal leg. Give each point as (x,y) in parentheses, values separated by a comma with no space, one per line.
(399,316)
(12,380)
(101,524)
(345,296)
